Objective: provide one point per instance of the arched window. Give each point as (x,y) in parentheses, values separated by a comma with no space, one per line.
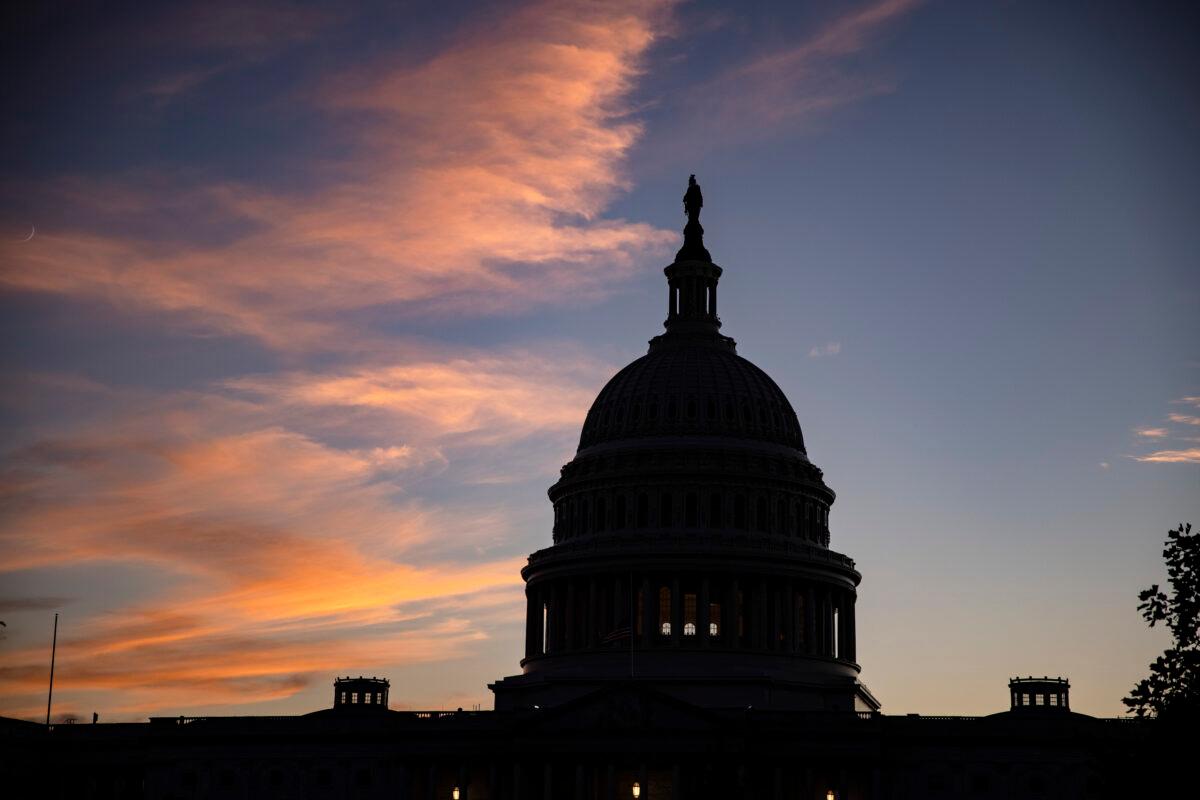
(690,510)
(664,510)
(643,511)
(689,614)
(714,619)
(664,611)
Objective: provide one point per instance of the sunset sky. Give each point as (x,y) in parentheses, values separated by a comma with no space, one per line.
(303,305)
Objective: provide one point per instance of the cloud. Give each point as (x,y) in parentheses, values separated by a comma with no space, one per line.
(1152,433)
(1191,401)
(287,511)
(792,85)
(1185,419)
(1190,456)
(824,350)
(472,183)
(1105,465)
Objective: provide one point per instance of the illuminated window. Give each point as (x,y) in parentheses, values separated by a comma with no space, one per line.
(714,619)
(689,614)
(343,698)
(545,628)
(665,628)
(689,629)
(1053,699)
(354,697)
(664,611)
(1039,699)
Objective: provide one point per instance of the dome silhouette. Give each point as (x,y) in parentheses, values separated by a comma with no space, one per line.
(691,389)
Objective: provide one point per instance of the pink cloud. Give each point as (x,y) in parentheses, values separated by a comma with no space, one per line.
(291,555)
(1190,456)
(474,183)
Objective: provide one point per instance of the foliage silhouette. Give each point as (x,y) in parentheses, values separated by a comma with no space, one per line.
(1173,687)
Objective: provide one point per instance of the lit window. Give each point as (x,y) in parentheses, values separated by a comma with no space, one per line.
(343,698)
(1024,699)
(689,614)
(354,697)
(689,629)
(714,617)
(666,629)
(713,630)
(664,611)
(1053,699)
(1039,699)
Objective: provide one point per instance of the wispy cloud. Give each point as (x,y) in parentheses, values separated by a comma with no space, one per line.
(1185,419)
(1189,456)
(1152,433)
(792,85)
(285,507)
(825,350)
(473,182)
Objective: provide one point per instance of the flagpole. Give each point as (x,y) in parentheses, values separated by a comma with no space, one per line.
(53,650)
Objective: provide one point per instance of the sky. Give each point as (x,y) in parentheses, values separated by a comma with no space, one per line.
(303,304)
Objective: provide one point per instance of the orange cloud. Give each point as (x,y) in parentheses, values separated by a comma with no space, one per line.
(1152,433)
(1190,456)
(294,549)
(474,182)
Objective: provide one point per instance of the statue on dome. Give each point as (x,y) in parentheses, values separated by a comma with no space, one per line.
(693,200)
(693,232)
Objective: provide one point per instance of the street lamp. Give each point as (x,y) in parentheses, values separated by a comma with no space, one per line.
(637,790)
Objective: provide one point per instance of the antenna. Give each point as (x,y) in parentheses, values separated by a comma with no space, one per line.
(53,650)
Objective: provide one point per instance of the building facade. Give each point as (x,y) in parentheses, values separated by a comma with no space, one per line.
(689,633)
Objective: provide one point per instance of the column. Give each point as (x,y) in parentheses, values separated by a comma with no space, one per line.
(593,617)
(760,625)
(649,613)
(852,627)
(789,617)
(532,641)
(676,613)
(811,633)
(570,615)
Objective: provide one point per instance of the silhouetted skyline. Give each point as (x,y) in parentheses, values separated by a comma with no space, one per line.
(303,309)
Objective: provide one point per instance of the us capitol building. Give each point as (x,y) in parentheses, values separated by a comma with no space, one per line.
(689,633)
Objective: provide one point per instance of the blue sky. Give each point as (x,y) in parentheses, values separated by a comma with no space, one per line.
(317,297)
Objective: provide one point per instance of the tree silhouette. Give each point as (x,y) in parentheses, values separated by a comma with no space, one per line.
(1173,688)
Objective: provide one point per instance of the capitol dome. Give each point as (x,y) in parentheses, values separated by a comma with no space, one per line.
(691,534)
(692,389)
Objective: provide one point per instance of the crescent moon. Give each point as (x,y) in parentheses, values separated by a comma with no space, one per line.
(32,231)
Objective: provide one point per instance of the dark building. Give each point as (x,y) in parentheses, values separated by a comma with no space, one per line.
(690,633)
